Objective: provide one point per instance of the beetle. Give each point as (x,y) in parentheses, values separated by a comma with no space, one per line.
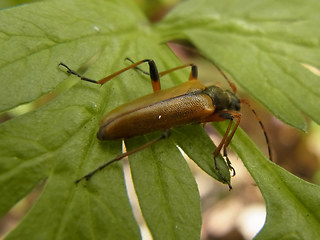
(189,102)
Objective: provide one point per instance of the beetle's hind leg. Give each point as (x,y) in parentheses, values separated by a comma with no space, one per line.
(87,177)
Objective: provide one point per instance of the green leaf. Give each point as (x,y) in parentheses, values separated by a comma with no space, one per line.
(292,203)
(50,143)
(166,188)
(48,30)
(56,143)
(200,151)
(262,44)
(13,3)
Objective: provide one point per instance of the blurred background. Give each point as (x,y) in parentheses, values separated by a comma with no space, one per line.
(237,214)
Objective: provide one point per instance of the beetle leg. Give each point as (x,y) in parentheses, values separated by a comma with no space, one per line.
(193,74)
(226,140)
(227,137)
(225,154)
(77,74)
(220,174)
(87,177)
(138,68)
(238,117)
(154,75)
(217,152)
(222,142)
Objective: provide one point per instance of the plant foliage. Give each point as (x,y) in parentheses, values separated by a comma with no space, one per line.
(261,44)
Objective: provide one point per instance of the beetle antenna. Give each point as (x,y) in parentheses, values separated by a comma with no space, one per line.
(234,89)
(245,101)
(231,84)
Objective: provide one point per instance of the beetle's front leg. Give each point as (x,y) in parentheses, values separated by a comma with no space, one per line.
(225,155)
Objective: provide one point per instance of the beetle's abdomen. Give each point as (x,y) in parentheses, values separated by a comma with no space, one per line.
(180,110)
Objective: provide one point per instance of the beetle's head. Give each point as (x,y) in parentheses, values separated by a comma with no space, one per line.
(234,101)
(223,99)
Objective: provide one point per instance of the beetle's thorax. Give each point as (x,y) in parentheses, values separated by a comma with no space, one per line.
(223,99)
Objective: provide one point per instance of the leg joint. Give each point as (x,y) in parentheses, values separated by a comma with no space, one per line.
(154,75)
(226,115)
